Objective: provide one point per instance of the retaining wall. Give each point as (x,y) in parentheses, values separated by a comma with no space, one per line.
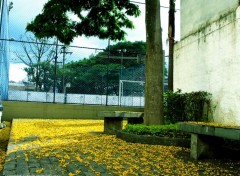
(35,110)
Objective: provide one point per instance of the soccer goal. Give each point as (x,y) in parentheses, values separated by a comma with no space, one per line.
(128,90)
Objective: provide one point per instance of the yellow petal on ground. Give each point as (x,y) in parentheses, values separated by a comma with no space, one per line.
(70,141)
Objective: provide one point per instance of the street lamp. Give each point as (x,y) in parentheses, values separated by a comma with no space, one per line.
(64,52)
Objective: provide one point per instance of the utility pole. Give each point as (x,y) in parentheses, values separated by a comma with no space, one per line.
(55,73)
(64,52)
(171,34)
(108,71)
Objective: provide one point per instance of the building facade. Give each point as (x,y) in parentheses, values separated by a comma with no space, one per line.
(208,56)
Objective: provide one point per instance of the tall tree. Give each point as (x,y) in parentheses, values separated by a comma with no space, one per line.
(171,34)
(107,19)
(36,55)
(153,111)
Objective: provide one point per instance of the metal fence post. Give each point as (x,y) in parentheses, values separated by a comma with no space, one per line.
(55,74)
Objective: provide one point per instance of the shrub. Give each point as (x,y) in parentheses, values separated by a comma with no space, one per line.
(174,104)
(194,105)
(170,130)
(180,106)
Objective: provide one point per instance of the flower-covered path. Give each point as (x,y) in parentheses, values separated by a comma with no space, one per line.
(78,147)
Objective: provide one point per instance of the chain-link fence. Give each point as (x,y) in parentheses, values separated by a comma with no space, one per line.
(43,72)
(4,48)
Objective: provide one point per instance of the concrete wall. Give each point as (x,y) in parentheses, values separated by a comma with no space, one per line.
(209,60)
(196,13)
(14,109)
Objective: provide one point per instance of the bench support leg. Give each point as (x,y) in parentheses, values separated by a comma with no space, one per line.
(203,146)
(111,125)
(135,120)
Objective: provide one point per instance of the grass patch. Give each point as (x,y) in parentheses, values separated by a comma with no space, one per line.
(170,130)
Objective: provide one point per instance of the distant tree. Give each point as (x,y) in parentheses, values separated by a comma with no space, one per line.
(89,78)
(100,74)
(37,56)
(130,48)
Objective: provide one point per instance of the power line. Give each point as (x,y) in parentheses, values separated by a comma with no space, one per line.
(136,2)
(53,44)
(143,3)
(62,45)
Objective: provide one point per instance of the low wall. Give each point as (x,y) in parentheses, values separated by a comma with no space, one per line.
(35,110)
(89,99)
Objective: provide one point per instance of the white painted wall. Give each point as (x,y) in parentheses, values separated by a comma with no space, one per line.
(196,13)
(88,99)
(210,61)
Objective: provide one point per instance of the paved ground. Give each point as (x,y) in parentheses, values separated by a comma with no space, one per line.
(19,165)
(65,147)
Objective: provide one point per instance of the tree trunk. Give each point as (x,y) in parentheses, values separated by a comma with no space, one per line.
(170,64)
(171,33)
(153,111)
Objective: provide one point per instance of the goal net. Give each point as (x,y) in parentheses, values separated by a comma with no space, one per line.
(129,91)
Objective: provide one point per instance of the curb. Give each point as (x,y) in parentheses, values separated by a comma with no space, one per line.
(153,140)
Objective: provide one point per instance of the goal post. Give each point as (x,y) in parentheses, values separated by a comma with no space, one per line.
(122,85)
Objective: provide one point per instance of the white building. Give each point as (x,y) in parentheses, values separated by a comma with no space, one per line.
(208,56)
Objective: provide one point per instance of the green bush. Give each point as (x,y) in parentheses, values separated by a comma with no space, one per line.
(174,104)
(170,130)
(180,106)
(194,105)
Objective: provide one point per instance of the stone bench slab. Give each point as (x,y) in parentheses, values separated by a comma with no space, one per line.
(113,120)
(123,114)
(224,132)
(206,139)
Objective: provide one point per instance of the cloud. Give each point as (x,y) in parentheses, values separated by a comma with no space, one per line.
(17,72)
(24,11)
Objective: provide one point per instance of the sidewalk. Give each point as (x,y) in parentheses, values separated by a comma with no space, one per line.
(45,166)
(79,148)
(21,162)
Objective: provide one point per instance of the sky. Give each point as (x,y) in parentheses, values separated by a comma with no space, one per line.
(24,11)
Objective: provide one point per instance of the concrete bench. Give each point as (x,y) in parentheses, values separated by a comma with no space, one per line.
(206,139)
(113,120)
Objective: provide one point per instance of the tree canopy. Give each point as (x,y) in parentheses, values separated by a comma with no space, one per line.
(66,19)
